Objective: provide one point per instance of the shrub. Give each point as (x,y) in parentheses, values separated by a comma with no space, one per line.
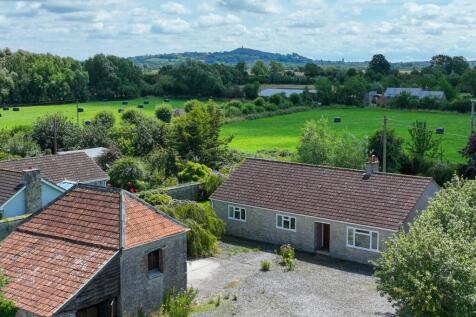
(295,99)
(192,171)
(156,197)
(164,112)
(206,227)
(442,172)
(211,183)
(178,304)
(270,107)
(126,172)
(259,102)
(249,108)
(106,159)
(265,265)
(288,257)
(233,112)
(7,307)
(189,105)
(104,119)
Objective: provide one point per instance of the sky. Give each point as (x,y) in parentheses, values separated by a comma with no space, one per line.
(318,29)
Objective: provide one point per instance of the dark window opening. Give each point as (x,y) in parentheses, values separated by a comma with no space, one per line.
(155,262)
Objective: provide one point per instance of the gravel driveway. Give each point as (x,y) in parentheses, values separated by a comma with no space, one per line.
(319,286)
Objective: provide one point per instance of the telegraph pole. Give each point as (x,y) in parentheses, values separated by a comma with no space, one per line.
(471,129)
(55,136)
(77,111)
(384,144)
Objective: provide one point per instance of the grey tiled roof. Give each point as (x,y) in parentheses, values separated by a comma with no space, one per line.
(383,200)
(77,167)
(10,183)
(417,92)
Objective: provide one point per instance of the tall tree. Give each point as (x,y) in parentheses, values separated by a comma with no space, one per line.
(395,152)
(431,270)
(423,142)
(379,64)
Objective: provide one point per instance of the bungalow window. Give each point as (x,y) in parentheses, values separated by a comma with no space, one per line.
(155,262)
(286,222)
(237,213)
(362,239)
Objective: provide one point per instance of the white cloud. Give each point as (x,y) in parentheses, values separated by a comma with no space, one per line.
(174,8)
(307,19)
(254,6)
(211,20)
(170,26)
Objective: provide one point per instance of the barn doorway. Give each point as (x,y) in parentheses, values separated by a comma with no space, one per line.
(322,233)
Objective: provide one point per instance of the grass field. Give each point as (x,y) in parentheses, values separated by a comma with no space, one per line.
(27,115)
(282,132)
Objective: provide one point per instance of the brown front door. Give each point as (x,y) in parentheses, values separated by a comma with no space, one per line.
(326,228)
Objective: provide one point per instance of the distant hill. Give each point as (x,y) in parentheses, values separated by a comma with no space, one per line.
(250,56)
(246,55)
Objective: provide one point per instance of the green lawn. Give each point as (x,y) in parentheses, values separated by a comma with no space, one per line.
(27,115)
(282,132)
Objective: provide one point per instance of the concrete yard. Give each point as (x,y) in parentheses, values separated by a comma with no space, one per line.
(319,286)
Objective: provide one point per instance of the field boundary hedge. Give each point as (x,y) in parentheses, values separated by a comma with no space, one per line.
(268,114)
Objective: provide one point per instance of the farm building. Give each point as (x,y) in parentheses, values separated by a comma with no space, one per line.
(267,92)
(343,213)
(94,252)
(63,170)
(24,192)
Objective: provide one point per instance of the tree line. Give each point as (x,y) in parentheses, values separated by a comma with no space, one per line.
(28,78)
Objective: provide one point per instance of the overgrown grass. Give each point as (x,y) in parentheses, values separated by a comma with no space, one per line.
(282,132)
(27,115)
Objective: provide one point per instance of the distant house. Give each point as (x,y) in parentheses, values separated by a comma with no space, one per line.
(25,192)
(416,92)
(94,252)
(267,92)
(343,213)
(63,170)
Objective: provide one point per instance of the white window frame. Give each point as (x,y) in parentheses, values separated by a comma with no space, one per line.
(231,215)
(282,222)
(369,234)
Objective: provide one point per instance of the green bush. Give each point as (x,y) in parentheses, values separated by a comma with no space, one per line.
(164,112)
(104,119)
(126,172)
(249,108)
(259,102)
(192,172)
(233,112)
(7,307)
(211,183)
(288,256)
(206,227)
(156,197)
(265,265)
(178,304)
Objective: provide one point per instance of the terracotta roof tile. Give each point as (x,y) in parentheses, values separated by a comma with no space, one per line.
(383,200)
(50,257)
(144,224)
(76,167)
(9,184)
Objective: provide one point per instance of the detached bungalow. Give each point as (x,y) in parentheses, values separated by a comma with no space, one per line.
(344,213)
(94,252)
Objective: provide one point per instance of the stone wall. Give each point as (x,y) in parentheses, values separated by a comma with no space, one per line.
(189,191)
(141,291)
(260,225)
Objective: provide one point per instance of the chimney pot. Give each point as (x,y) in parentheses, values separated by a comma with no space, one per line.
(372,165)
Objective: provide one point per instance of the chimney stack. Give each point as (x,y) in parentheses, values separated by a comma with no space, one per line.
(372,165)
(31,178)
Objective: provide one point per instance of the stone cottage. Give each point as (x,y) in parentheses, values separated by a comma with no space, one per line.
(343,213)
(93,252)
